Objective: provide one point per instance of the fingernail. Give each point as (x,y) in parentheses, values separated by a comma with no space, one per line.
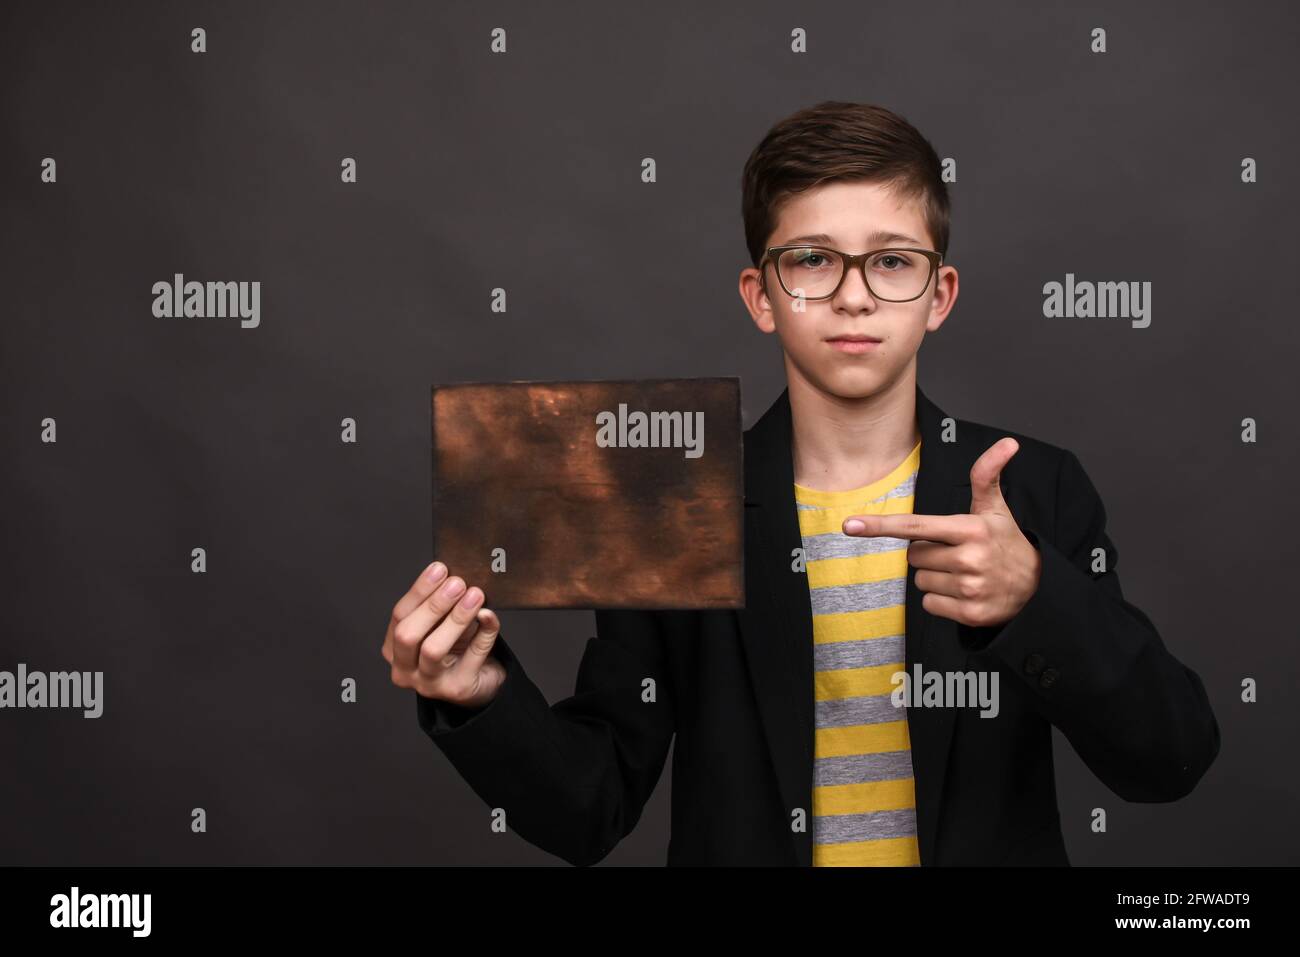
(853,526)
(471,598)
(435,571)
(454,587)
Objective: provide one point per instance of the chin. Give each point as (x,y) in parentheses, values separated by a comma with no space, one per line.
(843,380)
(856,386)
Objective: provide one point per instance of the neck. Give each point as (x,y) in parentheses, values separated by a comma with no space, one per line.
(842,444)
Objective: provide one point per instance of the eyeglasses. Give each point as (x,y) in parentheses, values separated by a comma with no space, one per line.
(896,274)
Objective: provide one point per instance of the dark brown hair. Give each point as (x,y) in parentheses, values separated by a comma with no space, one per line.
(835,141)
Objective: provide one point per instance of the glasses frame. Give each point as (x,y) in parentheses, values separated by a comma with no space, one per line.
(858,262)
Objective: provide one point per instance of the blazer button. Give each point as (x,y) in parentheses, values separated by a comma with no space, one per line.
(1048,677)
(1034,664)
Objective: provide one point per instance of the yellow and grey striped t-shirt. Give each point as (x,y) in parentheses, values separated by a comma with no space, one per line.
(864,799)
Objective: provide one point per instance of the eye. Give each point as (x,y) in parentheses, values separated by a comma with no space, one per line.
(895,261)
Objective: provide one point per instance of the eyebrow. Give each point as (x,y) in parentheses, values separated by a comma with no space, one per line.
(879,236)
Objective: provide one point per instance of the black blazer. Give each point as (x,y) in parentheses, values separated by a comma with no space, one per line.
(736,687)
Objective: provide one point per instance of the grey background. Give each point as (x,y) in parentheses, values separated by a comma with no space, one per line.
(522,171)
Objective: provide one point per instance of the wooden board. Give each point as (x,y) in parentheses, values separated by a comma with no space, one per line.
(547,495)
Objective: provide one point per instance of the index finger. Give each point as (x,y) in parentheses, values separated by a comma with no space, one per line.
(953,529)
(421,589)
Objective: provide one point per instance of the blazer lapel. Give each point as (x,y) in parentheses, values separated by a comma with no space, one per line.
(942,488)
(776,623)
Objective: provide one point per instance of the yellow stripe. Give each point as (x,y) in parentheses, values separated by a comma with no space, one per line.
(864,798)
(832,519)
(857,569)
(855,682)
(885,852)
(874,490)
(862,739)
(855,625)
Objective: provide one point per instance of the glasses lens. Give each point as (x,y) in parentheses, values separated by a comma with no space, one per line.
(895,275)
(809,272)
(898,274)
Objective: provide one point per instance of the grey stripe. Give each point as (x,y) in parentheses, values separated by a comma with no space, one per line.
(862,653)
(839,545)
(859,768)
(903,488)
(861,596)
(841,828)
(866,709)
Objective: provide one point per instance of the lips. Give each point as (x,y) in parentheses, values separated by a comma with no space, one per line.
(854,344)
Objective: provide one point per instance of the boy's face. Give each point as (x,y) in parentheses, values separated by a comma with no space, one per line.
(850,217)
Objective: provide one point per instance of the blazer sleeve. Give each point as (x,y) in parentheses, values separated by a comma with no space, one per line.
(1096,666)
(573,777)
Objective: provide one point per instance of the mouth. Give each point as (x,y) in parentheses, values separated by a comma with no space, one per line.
(854,344)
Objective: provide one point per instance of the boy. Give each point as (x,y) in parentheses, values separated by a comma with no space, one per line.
(881,537)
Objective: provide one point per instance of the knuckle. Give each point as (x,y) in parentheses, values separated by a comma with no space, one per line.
(462,688)
(427,685)
(430,660)
(448,688)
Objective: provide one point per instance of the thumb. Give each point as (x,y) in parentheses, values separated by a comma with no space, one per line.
(986,477)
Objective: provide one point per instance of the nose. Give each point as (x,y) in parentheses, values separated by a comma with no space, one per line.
(853,290)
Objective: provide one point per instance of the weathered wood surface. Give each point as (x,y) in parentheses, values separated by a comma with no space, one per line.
(517,466)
